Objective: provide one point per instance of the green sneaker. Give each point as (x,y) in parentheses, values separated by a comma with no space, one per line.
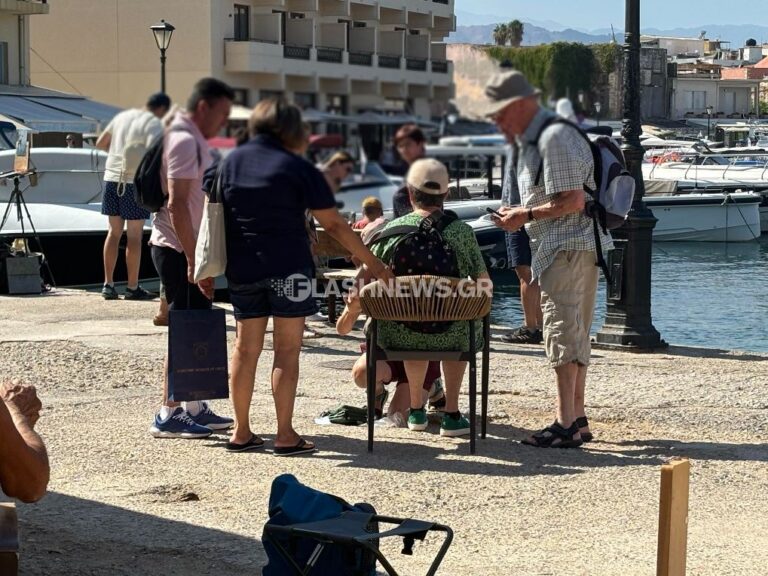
(452,427)
(417,420)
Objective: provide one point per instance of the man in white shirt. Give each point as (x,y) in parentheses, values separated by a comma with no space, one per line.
(126,138)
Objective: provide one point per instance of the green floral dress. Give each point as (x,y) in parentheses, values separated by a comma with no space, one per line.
(395,336)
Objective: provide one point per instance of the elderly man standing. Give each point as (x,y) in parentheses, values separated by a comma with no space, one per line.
(554,165)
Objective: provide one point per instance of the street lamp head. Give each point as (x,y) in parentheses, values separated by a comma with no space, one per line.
(709,110)
(163,32)
(598,106)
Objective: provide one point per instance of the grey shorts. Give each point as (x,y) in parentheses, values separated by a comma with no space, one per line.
(568,292)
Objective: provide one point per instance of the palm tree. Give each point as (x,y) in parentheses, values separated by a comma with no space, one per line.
(515,30)
(501,34)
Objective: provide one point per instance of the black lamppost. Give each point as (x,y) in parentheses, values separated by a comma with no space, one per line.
(163,32)
(598,106)
(709,117)
(628,322)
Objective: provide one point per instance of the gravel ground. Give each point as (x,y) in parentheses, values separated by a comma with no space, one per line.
(121,502)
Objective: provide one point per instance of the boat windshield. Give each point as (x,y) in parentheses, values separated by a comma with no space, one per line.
(365,176)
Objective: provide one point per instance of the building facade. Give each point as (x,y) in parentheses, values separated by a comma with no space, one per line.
(14,39)
(342,56)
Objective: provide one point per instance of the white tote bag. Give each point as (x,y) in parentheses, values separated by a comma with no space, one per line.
(211,248)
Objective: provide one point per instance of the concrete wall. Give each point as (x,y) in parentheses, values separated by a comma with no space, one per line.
(117,61)
(9,33)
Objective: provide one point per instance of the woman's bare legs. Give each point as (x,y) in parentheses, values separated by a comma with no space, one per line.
(285,377)
(248,346)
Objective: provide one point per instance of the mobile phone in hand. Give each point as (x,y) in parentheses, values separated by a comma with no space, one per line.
(492,211)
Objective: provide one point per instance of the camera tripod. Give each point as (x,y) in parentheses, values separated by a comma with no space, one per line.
(16,201)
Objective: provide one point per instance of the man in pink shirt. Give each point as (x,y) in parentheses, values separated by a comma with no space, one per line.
(174,235)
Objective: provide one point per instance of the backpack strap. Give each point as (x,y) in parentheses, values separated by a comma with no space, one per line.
(391,233)
(438,220)
(599,251)
(188,131)
(595,153)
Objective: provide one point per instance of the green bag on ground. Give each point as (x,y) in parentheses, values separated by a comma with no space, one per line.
(347,415)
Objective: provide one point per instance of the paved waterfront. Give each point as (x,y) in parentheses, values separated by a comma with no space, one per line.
(121,502)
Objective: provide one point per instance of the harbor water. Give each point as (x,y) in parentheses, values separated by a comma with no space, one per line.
(706,294)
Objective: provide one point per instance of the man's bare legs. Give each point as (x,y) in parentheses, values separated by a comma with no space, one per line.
(530,298)
(111,245)
(135,231)
(578,396)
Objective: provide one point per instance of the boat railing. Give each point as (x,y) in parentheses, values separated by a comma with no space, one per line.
(694,159)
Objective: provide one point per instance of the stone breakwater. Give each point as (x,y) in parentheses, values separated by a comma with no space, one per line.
(121,502)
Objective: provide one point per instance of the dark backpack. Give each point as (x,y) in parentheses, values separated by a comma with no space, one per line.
(147,180)
(614,189)
(290,502)
(421,250)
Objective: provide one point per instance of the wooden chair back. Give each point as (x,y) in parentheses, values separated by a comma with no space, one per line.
(426,299)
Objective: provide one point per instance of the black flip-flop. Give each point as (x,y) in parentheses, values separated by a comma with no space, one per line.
(253,444)
(303,447)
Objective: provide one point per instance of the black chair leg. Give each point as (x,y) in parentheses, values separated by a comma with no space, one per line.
(485,376)
(371,380)
(472,388)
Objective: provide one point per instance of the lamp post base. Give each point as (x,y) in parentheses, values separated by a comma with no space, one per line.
(628,324)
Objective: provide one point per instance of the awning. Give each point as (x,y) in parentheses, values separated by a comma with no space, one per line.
(44,110)
(43,118)
(84,107)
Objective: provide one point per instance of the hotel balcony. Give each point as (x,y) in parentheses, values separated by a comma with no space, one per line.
(23,7)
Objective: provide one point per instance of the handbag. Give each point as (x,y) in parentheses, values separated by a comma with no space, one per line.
(197,355)
(211,247)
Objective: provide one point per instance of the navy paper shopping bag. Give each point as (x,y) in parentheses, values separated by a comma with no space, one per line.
(197,355)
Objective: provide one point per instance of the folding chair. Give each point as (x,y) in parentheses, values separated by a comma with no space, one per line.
(464,303)
(354,529)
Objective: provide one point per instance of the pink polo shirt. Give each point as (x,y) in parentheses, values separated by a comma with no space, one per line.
(180,161)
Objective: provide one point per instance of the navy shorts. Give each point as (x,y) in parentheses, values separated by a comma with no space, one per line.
(122,202)
(518,248)
(289,297)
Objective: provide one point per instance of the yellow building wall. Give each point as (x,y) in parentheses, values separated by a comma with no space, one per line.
(127,68)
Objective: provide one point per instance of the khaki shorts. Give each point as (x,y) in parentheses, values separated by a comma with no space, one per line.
(568,290)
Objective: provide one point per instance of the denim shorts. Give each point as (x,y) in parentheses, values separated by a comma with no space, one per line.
(289,297)
(518,248)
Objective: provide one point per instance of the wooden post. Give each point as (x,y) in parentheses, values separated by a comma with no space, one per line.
(673,518)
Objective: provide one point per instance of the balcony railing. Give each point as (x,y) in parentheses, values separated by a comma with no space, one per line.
(416,64)
(361,58)
(389,61)
(330,54)
(440,66)
(296,52)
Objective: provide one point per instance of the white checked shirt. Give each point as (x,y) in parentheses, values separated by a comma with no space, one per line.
(566,163)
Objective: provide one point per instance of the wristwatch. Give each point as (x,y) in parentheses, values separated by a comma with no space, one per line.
(530,215)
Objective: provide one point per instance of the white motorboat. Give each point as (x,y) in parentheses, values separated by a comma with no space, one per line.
(62,205)
(706,217)
(64,176)
(704,171)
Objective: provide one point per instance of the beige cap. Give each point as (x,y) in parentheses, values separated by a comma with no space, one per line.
(428,176)
(504,88)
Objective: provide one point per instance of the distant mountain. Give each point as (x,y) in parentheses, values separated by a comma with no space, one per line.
(536,34)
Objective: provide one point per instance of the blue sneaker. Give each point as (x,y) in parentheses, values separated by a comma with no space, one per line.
(179,425)
(207,418)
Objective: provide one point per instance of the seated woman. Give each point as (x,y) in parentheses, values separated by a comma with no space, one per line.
(427,184)
(266,192)
(388,372)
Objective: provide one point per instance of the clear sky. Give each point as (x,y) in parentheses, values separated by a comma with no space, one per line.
(599,14)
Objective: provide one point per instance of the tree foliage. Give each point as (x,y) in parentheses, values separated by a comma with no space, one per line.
(562,69)
(512,33)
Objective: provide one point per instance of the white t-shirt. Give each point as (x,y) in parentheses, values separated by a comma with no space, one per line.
(128,127)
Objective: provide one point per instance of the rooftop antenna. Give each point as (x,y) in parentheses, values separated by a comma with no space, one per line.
(613,35)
